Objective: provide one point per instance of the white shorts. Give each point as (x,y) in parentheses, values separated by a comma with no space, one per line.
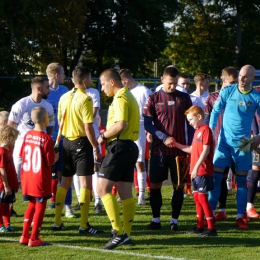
(17,159)
(140,142)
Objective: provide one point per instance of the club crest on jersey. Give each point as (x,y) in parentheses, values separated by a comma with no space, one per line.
(241,103)
(30,122)
(178,100)
(170,103)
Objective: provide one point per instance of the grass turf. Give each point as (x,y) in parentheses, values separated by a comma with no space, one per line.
(231,242)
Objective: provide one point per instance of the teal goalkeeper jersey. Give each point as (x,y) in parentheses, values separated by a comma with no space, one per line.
(239,111)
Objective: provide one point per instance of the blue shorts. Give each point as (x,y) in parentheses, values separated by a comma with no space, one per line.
(41,200)
(203,183)
(224,154)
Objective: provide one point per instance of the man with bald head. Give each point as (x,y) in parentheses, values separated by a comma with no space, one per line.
(240,102)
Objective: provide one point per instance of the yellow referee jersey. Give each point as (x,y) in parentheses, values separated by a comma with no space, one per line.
(79,111)
(124,108)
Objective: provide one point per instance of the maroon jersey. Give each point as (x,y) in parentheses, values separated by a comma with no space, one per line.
(202,136)
(37,153)
(208,109)
(6,162)
(167,111)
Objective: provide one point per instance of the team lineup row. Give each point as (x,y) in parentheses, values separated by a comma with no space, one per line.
(169,116)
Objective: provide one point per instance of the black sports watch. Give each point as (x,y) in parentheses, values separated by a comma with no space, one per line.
(103,136)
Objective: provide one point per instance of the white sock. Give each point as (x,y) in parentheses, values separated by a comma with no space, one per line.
(76,185)
(94,187)
(141,177)
(156,220)
(249,206)
(239,216)
(174,221)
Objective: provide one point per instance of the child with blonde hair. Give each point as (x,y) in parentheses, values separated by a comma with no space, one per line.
(38,156)
(8,178)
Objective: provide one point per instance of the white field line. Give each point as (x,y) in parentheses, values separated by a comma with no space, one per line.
(116,252)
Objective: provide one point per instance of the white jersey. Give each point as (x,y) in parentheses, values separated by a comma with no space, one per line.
(181,89)
(94,94)
(203,97)
(141,94)
(21,114)
(159,88)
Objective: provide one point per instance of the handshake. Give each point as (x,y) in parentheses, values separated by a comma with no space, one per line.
(170,142)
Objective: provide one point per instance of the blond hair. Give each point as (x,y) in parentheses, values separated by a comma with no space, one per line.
(4,117)
(37,114)
(8,134)
(52,69)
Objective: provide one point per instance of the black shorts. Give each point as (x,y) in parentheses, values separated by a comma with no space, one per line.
(203,184)
(77,157)
(256,158)
(118,164)
(7,199)
(159,169)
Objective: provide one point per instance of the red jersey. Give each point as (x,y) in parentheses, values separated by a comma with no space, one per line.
(6,162)
(37,153)
(202,136)
(167,111)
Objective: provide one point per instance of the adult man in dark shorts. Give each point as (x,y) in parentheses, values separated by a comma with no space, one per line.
(79,142)
(164,118)
(117,167)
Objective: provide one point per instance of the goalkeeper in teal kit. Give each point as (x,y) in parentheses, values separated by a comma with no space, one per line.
(240,102)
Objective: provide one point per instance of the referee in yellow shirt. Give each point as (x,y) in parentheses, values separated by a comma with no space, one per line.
(77,152)
(118,166)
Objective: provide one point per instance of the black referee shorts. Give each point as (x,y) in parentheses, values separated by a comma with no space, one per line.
(77,157)
(118,164)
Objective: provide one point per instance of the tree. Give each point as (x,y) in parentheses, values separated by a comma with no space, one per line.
(210,35)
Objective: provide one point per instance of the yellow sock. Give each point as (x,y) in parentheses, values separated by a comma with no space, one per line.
(59,203)
(84,201)
(128,214)
(112,209)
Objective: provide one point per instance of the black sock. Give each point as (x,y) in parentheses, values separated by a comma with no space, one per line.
(252,186)
(156,202)
(177,201)
(223,194)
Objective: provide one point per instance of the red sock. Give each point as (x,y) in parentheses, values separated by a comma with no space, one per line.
(28,217)
(38,219)
(54,186)
(203,199)
(199,211)
(148,183)
(114,190)
(136,182)
(6,214)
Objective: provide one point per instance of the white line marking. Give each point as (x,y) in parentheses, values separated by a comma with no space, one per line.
(146,256)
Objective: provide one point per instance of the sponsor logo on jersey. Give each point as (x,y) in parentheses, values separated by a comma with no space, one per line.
(241,103)
(170,103)
(15,114)
(160,104)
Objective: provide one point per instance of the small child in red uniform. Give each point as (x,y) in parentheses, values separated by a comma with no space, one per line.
(38,156)
(201,169)
(8,178)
